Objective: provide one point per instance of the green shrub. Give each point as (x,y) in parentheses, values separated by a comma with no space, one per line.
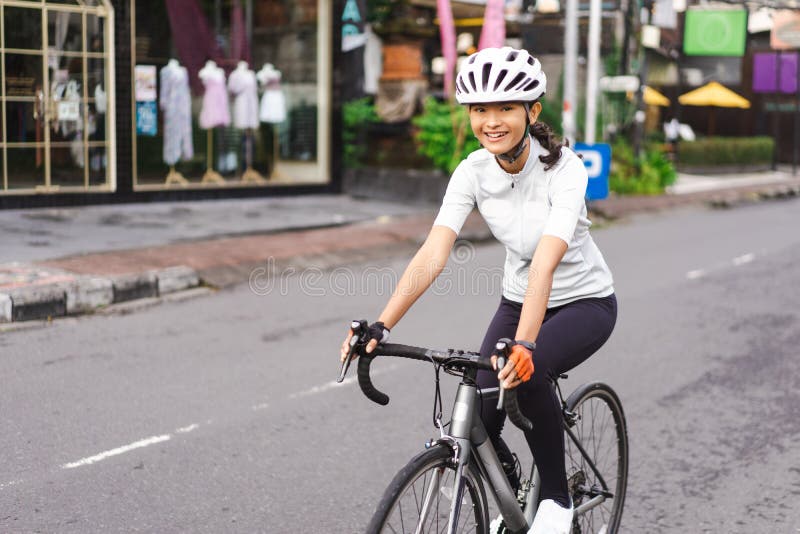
(726,151)
(551,115)
(445,137)
(646,176)
(444,134)
(357,115)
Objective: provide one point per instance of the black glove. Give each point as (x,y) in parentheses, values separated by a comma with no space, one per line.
(378,331)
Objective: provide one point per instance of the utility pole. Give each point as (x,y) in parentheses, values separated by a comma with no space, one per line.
(593,70)
(626,40)
(570,70)
(796,117)
(639,117)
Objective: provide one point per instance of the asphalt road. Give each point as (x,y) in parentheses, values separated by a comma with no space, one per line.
(219,413)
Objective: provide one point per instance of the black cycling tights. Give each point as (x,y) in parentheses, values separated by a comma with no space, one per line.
(569,335)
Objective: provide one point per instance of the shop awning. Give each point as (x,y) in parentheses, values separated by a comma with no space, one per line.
(714,94)
(654,98)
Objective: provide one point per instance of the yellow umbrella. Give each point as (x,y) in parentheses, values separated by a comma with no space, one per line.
(714,94)
(654,98)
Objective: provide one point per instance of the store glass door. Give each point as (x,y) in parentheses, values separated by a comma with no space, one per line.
(55,93)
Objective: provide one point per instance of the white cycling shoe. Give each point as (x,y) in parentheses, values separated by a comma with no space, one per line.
(552,518)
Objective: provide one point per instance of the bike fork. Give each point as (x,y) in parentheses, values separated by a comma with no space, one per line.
(456,490)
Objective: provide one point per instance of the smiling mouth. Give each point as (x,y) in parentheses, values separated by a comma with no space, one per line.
(495,135)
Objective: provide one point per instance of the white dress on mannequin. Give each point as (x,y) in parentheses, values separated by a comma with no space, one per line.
(244,88)
(175,101)
(273,101)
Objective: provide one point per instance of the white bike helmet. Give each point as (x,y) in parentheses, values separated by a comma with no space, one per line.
(500,75)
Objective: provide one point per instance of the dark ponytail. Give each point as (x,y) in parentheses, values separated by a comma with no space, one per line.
(547,138)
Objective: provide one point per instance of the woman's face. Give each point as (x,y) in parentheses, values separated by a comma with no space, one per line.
(500,126)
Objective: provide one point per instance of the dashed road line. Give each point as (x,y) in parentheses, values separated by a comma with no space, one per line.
(153,440)
(738,261)
(119,450)
(334,384)
(130,447)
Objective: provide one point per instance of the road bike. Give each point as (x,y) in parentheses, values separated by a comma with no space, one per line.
(446,487)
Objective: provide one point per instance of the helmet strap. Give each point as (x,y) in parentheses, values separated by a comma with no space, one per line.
(512,155)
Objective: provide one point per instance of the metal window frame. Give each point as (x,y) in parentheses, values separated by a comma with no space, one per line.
(325,24)
(103,10)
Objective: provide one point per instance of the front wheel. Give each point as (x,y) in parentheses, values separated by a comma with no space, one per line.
(597,488)
(420,495)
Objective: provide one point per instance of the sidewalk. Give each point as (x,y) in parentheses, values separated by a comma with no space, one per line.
(68,261)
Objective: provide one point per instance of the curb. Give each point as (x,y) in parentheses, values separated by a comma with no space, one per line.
(89,293)
(619,207)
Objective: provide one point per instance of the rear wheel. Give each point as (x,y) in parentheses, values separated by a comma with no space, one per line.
(599,427)
(420,495)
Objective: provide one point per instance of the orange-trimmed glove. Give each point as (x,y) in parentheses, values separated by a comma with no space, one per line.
(522,356)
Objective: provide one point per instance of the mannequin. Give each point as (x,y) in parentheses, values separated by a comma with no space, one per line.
(214,113)
(243,87)
(97,156)
(273,107)
(175,102)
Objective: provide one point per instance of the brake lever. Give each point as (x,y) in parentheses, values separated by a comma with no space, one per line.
(501,351)
(358,328)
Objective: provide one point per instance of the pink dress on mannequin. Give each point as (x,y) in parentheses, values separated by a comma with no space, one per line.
(215,110)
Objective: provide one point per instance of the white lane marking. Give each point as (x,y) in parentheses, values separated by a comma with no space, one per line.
(119,450)
(736,262)
(324,387)
(334,384)
(9,484)
(694,275)
(186,429)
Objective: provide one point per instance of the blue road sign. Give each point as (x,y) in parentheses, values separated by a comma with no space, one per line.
(597,159)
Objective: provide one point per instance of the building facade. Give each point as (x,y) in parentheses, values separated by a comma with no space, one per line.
(132,101)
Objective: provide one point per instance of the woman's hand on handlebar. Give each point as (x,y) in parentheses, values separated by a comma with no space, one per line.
(518,367)
(376,333)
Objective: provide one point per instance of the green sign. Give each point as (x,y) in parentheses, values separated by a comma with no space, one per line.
(715,32)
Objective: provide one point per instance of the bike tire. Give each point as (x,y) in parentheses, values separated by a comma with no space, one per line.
(400,507)
(601,429)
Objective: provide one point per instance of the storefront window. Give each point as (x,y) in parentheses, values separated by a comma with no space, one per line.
(231,93)
(55,59)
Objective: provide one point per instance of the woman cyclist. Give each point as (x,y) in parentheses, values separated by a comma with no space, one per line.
(558,300)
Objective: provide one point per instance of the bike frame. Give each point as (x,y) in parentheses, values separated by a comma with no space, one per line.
(470,443)
(468,439)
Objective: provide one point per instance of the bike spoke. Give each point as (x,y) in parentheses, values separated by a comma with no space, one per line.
(598,431)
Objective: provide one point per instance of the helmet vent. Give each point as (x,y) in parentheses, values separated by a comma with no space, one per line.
(472,81)
(461,86)
(472,58)
(500,78)
(512,56)
(531,85)
(518,78)
(530,60)
(487,70)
